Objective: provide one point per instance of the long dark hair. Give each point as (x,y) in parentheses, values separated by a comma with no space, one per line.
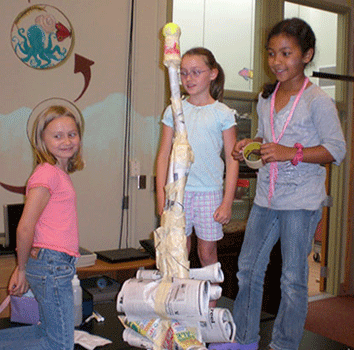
(217,85)
(298,29)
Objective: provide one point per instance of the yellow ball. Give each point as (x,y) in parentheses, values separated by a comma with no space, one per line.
(171,29)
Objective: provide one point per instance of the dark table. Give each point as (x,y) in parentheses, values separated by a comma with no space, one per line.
(112,329)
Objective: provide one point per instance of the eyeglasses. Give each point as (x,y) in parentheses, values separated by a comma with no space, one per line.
(194,73)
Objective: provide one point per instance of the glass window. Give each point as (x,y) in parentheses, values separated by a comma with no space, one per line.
(324,25)
(226,27)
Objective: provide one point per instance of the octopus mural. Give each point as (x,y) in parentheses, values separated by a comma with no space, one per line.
(40,39)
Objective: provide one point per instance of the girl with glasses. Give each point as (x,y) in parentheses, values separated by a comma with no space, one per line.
(210,127)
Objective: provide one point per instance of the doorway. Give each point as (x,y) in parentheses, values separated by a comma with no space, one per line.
(325,25)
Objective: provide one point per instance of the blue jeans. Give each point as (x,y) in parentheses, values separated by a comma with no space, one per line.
(296,229)
(49,276)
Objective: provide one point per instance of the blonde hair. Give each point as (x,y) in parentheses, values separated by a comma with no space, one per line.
(41,153)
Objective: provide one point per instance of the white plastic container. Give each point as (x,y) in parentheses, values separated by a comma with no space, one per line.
(77,291)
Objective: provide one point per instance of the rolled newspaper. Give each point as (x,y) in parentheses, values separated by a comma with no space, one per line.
(211,273)
(134,338)
(181,300)
(161,303)
(177,336)
(170,238)
(220,326)
(215,292)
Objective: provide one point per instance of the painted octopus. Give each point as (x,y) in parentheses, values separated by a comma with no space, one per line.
(33,48)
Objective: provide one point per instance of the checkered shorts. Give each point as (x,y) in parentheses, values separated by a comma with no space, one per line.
(199,210)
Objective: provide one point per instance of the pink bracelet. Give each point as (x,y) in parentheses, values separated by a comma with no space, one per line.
(299,155)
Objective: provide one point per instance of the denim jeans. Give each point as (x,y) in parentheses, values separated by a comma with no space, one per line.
(49,276)
(296,229)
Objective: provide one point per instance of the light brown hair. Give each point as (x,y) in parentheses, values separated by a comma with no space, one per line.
(216,85)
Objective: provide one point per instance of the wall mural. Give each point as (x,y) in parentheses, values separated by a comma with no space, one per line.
(42,37)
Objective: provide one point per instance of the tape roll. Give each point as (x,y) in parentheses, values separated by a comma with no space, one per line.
(252,156)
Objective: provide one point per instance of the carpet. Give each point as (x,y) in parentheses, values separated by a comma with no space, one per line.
(333,318)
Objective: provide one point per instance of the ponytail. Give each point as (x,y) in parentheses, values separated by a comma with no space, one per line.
(217,85)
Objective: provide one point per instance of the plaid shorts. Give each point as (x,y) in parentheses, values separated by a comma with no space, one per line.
(199,209)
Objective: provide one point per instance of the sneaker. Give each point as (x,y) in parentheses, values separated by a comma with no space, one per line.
(233,346)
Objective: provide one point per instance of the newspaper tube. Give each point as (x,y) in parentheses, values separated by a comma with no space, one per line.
(220,326)
(215,292)
(182,299)
(178,337)
(133,338)
(212,273)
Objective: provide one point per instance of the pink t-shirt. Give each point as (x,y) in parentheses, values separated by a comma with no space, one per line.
(57,227)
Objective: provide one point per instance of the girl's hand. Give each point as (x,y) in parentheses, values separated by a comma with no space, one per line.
(239,146)
(223,214)
(273,152)
(18,284)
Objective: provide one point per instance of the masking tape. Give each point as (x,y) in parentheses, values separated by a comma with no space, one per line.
(253,160)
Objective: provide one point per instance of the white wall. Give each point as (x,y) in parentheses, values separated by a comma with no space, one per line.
(226,27)
(324,25)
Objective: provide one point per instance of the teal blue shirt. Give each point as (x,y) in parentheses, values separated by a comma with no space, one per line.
(205,125)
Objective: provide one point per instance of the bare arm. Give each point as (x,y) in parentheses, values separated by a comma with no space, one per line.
(223,213)
(272,152)
(36,201)
(163,158)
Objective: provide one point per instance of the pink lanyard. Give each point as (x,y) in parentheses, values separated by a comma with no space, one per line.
(274,165)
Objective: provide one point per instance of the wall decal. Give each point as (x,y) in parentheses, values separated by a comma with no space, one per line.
(82,65)
(42,37)
(14,189)
(246,73)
